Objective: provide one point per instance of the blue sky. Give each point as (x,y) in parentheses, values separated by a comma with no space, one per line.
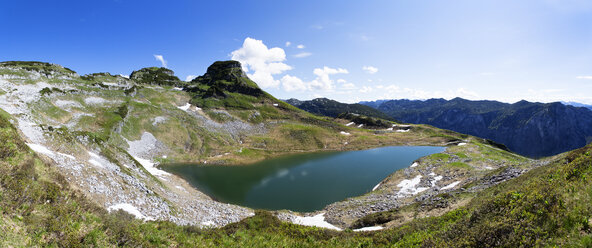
(344,50)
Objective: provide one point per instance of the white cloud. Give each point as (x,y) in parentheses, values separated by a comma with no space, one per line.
(300,46)
(323,81)
(393,92)
(264,62)
(292,83)
(584,77)
(366,89)
(302,55)
(190,77)
(341,80)
(462,92)
(348,86)
(161,59)
(370,69)
(288,43)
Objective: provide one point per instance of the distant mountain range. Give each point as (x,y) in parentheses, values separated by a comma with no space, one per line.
(577,104)
(530,129)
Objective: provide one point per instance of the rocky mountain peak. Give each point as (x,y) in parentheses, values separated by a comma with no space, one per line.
(155,75)
(224,76)
(40,68)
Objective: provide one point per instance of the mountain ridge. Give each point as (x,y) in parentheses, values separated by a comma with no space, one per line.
(514,125)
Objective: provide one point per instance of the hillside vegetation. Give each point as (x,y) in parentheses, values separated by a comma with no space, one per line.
(80,154)
(546,206)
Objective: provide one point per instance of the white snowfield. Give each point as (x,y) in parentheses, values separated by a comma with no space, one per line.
(349,124)
(187,106)
(462,144)
(409,186)
(344,133)
(130,209)
(184,107)
(369,228)
(415,164)
(450,186)
(317,220)
(376,187)
(40,149)
(141,150)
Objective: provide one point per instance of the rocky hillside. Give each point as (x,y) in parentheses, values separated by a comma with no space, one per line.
(332,108)
(530,129)
(106,134)
(79,152)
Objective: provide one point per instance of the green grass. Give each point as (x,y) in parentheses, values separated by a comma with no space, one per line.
(459,165)
(440,156)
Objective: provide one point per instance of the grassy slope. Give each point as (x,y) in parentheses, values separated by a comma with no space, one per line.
(547,206)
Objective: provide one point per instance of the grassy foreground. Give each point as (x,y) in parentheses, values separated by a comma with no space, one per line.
(548,206)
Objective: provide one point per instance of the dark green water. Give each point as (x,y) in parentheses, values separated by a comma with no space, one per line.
(302,182)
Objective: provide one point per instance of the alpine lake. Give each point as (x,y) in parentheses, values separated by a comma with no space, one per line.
(301,182)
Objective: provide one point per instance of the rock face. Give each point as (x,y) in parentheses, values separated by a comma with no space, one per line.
(222,77)
(530,129)
(156,75)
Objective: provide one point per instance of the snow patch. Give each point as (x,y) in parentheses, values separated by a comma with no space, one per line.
(94,159)
(275,105)
(142,148)
(349,124)
(462,144)
(376,187)
(150,167)
(408,186)
(361,125)
(130,209)
(402,131)
(40,149)
(415,164)
(177,88)
(67,155)
(185,107)
(450,186)
(344,133)
(488,168)
(208,223)
(436,179)
(317,220)
(368,228)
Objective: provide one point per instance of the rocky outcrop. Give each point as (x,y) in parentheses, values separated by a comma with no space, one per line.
(157,76)
(222,77)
